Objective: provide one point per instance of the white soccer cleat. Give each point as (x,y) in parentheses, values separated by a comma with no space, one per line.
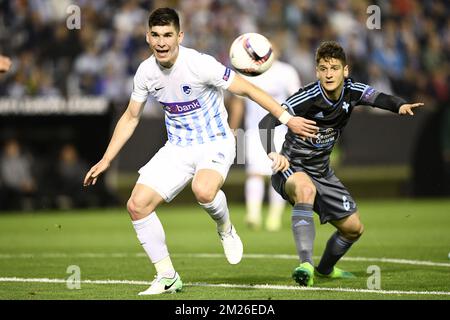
(232,245)
(164,285)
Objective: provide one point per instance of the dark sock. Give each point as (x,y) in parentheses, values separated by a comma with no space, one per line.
(337,246)
(304,231)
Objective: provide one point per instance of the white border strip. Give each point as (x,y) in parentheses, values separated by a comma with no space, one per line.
(236,286)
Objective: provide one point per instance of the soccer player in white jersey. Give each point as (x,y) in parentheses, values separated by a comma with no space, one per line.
(280,81)
(200,147)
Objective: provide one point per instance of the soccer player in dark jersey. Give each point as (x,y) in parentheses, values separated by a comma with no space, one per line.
(304,176)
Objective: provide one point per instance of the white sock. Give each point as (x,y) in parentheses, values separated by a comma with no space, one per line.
(254,196)
(218,210)
(277,203)
(165,268)
(151,235)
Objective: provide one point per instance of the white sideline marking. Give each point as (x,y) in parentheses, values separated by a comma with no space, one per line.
(219,255)
(226,285)
(294,257)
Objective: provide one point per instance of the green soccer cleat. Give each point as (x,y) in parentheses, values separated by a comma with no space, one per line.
(164,285)
(337,274)
(304,274)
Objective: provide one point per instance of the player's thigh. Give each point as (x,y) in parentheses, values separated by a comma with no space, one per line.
(169,171)
(206,184)
(213,163)
(350,227)
(300,188)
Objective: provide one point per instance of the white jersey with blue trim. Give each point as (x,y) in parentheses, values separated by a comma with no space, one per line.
(190,92)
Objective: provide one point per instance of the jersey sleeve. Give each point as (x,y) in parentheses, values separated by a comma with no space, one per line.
(140,90)
(267,131)
(378,99)
(294,104)
(214,73)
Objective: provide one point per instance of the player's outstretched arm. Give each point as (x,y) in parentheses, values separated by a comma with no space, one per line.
(266,129)
(386,101)
(298,125)
(123,131)
(93,174)
(407,108)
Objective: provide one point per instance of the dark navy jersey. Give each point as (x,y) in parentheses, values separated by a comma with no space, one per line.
(310,102)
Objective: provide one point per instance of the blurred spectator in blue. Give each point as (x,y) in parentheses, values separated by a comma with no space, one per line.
(389,57)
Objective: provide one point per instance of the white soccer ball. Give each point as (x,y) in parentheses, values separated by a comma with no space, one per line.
(251,54)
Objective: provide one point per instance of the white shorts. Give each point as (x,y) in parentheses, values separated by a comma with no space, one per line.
(173,167)
(256,160)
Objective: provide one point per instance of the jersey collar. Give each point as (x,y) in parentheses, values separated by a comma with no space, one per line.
(331,103)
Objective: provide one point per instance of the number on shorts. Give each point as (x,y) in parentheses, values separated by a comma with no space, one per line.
(345,203)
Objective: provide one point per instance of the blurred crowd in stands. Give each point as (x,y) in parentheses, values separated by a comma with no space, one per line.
(408,56)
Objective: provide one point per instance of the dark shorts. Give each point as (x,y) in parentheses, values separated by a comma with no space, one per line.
(332,202)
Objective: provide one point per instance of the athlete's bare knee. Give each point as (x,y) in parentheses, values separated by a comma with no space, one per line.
(204,195)
(132,207)
(360,231)
(305,193)
(137,210)
(354,233)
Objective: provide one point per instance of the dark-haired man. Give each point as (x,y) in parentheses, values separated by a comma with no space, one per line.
(308,182)
(200,147)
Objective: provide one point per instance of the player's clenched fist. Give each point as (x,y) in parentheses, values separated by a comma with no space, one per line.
(279,162)
(93,174)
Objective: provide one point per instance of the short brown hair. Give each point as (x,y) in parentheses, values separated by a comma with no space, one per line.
(330,50)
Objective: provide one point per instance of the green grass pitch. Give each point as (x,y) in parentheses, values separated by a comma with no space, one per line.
(409,241)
